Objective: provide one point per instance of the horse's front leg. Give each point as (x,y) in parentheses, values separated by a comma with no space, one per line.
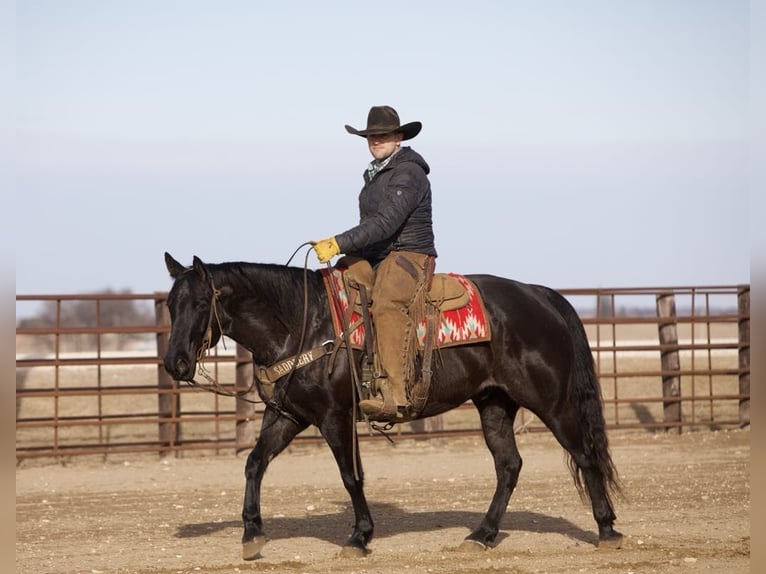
(276,434)
(339,432)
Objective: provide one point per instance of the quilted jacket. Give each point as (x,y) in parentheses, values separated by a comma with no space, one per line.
(394,211)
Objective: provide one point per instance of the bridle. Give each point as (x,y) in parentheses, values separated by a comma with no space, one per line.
(283,368)
(205,346)
(213,385)
(203,352)
(264,375)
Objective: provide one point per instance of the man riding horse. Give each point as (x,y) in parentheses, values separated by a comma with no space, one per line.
(395,235)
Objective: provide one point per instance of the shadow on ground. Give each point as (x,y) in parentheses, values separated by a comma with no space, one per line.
(391,520)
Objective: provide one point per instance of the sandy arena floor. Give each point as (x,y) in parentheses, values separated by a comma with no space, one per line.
(687,509)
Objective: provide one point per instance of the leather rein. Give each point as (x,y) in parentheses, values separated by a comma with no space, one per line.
(266,376)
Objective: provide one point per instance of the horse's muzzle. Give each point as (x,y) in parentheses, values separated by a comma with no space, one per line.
(179,367)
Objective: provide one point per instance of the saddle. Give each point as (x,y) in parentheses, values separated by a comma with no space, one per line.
(453,314)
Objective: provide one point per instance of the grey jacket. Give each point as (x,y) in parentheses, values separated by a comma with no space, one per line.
(394,211)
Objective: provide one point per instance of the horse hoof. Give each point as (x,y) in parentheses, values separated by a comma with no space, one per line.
(473,546)
(611,542)
(252,548)
(353,552)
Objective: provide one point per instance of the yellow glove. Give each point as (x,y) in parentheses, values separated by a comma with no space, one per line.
(326,249)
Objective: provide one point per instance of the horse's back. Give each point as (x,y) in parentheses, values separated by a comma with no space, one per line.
(532,325)
(511,301)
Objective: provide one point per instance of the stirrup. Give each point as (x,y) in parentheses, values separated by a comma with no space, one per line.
(378,409)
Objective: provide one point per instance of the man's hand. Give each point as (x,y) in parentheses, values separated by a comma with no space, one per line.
(326,249)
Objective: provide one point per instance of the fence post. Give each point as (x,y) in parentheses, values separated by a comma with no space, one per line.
(669,358)
(168,400)
(246,429)
(743,310)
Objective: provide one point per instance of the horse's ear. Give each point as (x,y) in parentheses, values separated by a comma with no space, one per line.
(174,267)
(199,267)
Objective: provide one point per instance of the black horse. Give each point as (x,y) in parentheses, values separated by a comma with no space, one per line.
(538,358)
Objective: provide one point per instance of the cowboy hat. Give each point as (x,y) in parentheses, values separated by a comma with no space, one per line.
(384,120)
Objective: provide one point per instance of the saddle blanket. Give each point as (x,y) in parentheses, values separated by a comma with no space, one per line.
(467,324)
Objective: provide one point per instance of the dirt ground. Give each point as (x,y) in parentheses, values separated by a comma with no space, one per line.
(686,509)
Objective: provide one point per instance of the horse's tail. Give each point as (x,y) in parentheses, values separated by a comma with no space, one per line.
(587,394)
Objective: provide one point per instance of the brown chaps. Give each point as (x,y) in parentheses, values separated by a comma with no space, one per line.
(398,297)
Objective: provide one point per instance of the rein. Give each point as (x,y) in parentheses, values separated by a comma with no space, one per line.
(202,353)
(268,376)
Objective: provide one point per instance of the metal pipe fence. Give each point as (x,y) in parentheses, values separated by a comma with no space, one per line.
(669,358)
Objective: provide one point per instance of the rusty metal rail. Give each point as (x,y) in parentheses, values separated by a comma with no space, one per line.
(97,389)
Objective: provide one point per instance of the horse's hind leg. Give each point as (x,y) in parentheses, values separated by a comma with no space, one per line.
(603,511)
(591,464)
(276,433)
(497,413)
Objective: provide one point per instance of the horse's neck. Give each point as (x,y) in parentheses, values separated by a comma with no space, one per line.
(258,330)
(260,320)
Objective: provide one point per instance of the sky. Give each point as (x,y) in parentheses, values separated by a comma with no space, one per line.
(576,144)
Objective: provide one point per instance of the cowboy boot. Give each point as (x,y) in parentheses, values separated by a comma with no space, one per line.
(382,408)
(391,403)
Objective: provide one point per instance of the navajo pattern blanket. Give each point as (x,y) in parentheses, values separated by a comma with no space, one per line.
(467,324)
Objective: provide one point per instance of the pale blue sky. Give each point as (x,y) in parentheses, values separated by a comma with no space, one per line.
(574,143)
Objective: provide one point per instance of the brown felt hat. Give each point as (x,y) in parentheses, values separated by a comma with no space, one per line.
(384,120)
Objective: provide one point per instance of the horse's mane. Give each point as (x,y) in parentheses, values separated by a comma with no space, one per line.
(277,286)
